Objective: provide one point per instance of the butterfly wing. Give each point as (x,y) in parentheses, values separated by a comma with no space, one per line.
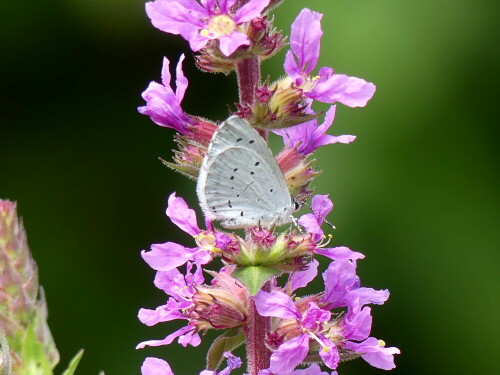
(240,182)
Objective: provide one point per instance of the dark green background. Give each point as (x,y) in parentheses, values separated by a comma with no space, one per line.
(417,192)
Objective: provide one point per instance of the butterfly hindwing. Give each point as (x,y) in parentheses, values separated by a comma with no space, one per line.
(240,182)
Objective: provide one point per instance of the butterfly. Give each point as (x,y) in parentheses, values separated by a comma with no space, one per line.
(240,182)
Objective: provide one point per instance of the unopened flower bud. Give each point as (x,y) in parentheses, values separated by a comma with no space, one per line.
(23,308)
(222,305)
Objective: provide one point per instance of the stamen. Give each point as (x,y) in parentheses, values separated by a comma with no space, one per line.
(324,243)
(381,342)
(323,346)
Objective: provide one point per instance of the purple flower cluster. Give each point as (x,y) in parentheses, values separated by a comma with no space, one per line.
(321,329)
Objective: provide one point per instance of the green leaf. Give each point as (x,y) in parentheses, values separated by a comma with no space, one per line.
(224,343)
(73,363)
(253,277)
(34,360)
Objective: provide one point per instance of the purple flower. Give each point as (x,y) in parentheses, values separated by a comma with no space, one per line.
(210,20)
(309,136)
(292,352)
(163,106)
(302,59)
(342,288)
(321,206)
(181,289)
(169,255)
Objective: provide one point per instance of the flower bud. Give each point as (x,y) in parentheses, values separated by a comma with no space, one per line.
(23,308)
(222,305)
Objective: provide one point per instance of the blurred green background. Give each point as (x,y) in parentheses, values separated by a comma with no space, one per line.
(417,192)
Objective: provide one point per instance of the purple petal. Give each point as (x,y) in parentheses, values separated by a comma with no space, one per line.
(233,363)
(166,256)
(350,91)
(197,41)
(311,225)
(329,353)
(155,366)
(300,279)
(339,253)
(181,82)
(276,304)
(362,296)
(374,353)
(289,354)
(171,282)
(305,39)
(166,78)
(164,313)
(230,43)
(170,338)
(291,67)
(181,17)
(181,215)
(321,206)
(250,10)
(357,326)
(340,278)
(192,338)
(224,5)
(314,369)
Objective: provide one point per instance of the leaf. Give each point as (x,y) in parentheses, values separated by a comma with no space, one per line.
(73,363)
(224,343)
(253,277)
(35,361)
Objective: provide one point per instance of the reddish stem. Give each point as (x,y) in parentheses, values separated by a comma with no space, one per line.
(255,333)
(248,73)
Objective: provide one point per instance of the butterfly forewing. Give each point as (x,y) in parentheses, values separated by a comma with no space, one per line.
(240,182)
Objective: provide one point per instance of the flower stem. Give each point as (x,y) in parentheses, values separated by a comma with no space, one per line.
(255,333)
(248,72)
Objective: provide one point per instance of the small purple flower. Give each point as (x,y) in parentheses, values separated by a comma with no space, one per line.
(210,20)
(342,288)
(321,206)
(292,352)
(163,106)
(169,255)
(309,136)
(303,57)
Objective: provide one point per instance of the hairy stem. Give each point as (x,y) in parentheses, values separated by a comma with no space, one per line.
(255,333)
(248,72)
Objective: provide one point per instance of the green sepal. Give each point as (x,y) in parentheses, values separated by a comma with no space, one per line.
(283,122)
(35,362)
(185,169)
(226,342)
(253,277)
(70,370)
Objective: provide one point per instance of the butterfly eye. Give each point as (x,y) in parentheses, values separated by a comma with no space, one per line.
(296,205)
